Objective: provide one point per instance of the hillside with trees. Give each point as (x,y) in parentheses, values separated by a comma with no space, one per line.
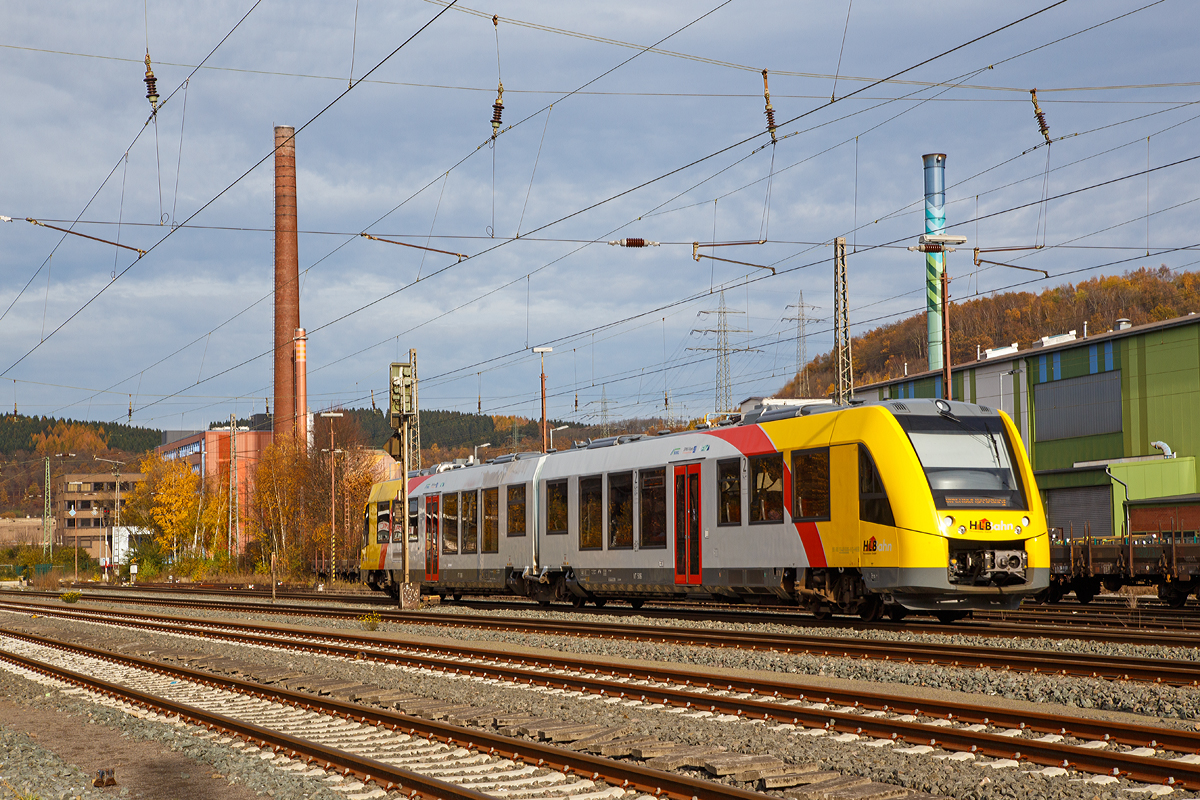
(25,443)
(19,433)
(1141,296)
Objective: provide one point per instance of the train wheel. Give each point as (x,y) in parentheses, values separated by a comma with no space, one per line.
(578,602)
(544,603)
(1054,593)
(950,616)
(822,612)
(601,602)
(1085,594)
(1176,600)
(871,609)
(457,596)
(897,613)
(636,604)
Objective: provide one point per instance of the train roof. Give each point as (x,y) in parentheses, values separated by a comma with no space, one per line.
(760,415)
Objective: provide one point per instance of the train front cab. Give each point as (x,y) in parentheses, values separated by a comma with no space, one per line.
(967,529)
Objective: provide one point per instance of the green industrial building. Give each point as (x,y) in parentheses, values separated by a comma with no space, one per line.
(1105,417)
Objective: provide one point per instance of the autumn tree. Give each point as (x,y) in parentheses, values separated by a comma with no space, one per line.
(167,502)
(70,437)
(276,500)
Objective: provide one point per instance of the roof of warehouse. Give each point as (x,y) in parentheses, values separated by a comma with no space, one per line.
(1188,319)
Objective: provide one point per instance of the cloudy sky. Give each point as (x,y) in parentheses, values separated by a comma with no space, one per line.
(621,119)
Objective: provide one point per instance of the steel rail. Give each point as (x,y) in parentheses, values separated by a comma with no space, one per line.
(365,769)
(767,696)
(1143,624)
(625,775)
(1159,671)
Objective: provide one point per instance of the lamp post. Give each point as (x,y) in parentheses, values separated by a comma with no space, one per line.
(475,456)
(330,415)
(941,243)
(117,505)
(71,513)
(48,526)
(552,430)
(541,351)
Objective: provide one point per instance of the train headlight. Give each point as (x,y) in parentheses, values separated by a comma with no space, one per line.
(962,529)
(947,523)
(1024,522)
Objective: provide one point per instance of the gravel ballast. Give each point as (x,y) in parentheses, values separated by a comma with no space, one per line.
(919,772)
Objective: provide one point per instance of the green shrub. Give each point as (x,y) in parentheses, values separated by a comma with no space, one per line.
(71,597)
(370,621)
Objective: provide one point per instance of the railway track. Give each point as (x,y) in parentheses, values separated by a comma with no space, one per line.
(1124,668)
(966,731)
(418,757)
(1094,621)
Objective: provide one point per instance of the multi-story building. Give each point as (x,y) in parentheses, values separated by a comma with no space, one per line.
(85,513)
(215,455)
(18,531)
(1106,418)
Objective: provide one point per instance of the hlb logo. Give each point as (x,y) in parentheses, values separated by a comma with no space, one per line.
(985,525)
(872,545)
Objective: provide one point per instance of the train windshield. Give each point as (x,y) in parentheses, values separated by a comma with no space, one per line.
(968,461)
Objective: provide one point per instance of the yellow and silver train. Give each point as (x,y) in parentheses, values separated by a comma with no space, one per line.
(887,507)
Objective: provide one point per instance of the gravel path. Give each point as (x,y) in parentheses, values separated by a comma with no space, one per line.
(949,778)
(51,744)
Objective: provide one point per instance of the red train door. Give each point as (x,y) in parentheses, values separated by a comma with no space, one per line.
(432,544)
(687,524)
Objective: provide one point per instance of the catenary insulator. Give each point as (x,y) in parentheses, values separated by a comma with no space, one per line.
(770,112)
(151,85)
(1040,116)
(636,242)
(497,111)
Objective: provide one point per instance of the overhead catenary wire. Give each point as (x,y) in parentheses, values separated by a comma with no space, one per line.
(356,83)
(487,89)
(179,158)
(841,50)
(137,135)
(236,180)
(661,307)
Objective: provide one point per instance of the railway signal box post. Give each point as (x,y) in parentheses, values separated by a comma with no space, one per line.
(402,413)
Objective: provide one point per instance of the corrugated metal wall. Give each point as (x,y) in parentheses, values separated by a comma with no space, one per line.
(1083,406)
(1076,507)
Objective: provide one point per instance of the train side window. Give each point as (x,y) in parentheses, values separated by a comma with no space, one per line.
(652,511)
(766,489)
(450,523)
(873,504)
(412,519)
(515,513)
(491,521)
(729,492)
(470,521)
(556,507)
(383,523)
(620,511)
(591,500)
(810,484)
